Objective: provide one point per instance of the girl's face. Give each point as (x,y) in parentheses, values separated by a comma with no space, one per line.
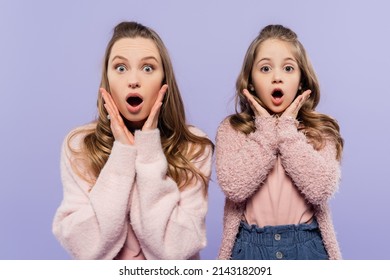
(275,75)
(135,74)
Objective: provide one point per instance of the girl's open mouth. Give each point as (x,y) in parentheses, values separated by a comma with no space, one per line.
(277,97)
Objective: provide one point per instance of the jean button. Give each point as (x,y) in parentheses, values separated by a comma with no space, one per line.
(277,237)
(279,255)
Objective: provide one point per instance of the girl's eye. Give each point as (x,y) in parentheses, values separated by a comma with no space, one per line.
(120,68)
(265,69)
(289,68)
(147,68)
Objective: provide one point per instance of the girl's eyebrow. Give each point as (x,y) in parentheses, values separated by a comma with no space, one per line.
(268,59)
(290,58)
(264,58)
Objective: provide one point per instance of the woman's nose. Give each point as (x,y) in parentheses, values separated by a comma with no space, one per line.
(133,80)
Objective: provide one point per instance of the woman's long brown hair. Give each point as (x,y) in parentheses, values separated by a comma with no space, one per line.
(179,144)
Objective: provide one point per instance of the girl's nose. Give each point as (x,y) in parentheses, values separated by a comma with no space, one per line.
(277,78)
(134,85)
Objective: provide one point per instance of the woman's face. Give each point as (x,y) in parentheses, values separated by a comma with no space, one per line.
(275,75)
(135,74)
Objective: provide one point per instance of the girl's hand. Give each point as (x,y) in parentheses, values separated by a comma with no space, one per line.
(259,110)
(152,120)
(293,109)
(118,127)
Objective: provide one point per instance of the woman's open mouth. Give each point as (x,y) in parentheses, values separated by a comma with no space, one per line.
(134,103)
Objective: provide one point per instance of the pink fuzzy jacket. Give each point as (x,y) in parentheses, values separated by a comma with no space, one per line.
(244,162)
(132,191)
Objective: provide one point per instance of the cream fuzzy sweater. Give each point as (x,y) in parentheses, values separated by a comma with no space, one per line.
(244,162)
(132,201)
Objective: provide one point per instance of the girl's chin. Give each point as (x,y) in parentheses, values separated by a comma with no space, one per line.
(277,111)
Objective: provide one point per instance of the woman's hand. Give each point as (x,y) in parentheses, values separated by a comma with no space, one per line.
(118,127)
(152,120)
(293,109)
(259,110)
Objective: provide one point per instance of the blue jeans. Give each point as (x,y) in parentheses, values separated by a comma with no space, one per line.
(288,242)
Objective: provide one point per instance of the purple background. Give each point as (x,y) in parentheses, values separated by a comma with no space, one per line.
(51,54)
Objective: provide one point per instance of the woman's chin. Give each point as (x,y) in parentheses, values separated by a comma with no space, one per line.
(134,124)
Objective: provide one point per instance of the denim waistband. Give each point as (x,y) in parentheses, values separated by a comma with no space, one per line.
(282,235)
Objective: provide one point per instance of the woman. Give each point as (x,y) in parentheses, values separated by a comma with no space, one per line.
(135,179)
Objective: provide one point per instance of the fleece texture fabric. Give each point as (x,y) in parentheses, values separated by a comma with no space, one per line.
(133,210)
(243,163)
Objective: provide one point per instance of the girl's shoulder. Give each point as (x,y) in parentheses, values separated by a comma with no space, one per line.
(225,122)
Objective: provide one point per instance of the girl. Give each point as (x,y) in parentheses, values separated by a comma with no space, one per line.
(135,179)
(277,159)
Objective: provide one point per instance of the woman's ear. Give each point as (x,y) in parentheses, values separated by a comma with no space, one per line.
(251,87)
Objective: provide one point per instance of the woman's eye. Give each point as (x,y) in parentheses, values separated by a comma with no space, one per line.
(265,69)
(289,68)
(148,68)
(120,68)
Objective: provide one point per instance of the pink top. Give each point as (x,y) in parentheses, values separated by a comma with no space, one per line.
(277,202)
(133,211)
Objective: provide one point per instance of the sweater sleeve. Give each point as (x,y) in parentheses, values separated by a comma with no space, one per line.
(315,173)
(169,223)
(243,162)
(92,223)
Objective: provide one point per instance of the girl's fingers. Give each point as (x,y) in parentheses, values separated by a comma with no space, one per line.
(297,104)
(256,107)
(303,97)
(250,99)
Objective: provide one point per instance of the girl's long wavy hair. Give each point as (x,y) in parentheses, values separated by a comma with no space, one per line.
(180,146)
(316,126)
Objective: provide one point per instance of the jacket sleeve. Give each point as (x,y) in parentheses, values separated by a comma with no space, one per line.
(243,162)
(169,223)
(315,173)
(92,223)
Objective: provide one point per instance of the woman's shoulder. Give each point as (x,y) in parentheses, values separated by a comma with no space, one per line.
(204,143)
(197,131)
(75,137)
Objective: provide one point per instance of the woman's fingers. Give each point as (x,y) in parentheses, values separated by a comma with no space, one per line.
(118,127)
(152,120)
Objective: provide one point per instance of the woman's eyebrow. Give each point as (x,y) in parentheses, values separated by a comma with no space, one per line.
(149,57)
(142,59)
(119,57)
